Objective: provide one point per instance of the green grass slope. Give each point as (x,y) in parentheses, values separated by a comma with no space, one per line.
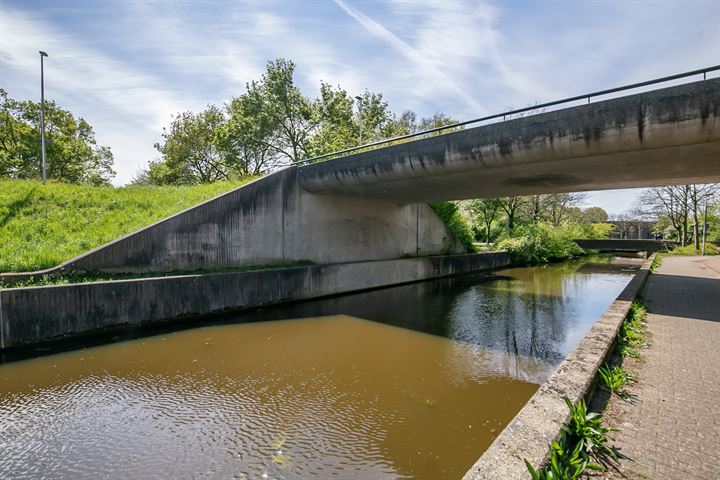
(44,225)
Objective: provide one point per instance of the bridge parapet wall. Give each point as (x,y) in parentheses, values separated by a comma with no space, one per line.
(617,245)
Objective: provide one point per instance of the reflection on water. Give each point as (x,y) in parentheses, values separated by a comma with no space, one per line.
(326,396)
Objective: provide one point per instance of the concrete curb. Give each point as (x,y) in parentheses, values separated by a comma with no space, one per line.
(39,314)
(539,422)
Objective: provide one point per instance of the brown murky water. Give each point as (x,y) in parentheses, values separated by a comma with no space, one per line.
(320,397)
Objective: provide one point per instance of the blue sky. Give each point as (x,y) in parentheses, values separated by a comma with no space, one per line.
(127,66)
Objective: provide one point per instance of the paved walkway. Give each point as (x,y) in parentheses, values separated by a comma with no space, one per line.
(672,427)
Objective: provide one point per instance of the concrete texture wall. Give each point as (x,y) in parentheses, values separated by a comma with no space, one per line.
(37,314)
(272,222)
(662,137)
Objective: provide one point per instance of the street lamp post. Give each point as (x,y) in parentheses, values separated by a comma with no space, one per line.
(42,113)
(360,104)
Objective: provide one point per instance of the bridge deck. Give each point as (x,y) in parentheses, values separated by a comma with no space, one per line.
(662,137)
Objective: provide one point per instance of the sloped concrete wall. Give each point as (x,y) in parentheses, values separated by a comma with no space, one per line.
(273,221)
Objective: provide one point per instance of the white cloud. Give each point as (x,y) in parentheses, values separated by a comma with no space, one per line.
(428,69)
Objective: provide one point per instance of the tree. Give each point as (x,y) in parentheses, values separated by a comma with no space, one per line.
(339,128)
(558,204)
(595,215)
(510,206)
(699,195)
(671,202)
(486,211)
(189,152)
(287,119)
(246,139)
(271,125)
(72,153)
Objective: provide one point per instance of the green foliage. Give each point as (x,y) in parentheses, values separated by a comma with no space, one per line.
(72,154)
(657,261)
(689,250)
(44,225)
(190,154)
(595,215)
(583,438)
(538,243)
(483,212)
(589,230)
(565,463)
(449,212)
(631,336)
(587,431)
(615,378)
(273,124)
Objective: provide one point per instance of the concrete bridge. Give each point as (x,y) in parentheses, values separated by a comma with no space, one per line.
(362,221)
(663,137)
(372,205)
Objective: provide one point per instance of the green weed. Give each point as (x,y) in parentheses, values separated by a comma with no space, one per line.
(615,378)
(657,261)
(565,463)
(582,439)
(631,336)
(586,430)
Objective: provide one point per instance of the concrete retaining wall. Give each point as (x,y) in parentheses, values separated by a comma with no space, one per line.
(271,221)
(529,434)
(37,314)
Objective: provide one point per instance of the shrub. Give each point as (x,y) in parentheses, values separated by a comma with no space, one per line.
(589,230)
(539,243)
(710,249)
(450,214)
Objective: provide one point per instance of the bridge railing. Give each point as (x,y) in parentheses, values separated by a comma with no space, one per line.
(532,109)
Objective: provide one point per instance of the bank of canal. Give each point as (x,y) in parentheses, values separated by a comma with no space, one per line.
(413,381)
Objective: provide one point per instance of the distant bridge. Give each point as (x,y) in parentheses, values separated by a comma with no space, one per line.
(617,245)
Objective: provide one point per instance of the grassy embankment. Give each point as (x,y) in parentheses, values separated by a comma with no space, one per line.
(44,225)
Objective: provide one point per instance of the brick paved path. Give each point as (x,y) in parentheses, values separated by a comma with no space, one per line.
(672,428)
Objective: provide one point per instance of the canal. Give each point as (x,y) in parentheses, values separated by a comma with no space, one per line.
(412,381)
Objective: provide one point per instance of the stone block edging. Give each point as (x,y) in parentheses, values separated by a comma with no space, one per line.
(540,421)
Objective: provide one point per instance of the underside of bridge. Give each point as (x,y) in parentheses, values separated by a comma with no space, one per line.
(662,137)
